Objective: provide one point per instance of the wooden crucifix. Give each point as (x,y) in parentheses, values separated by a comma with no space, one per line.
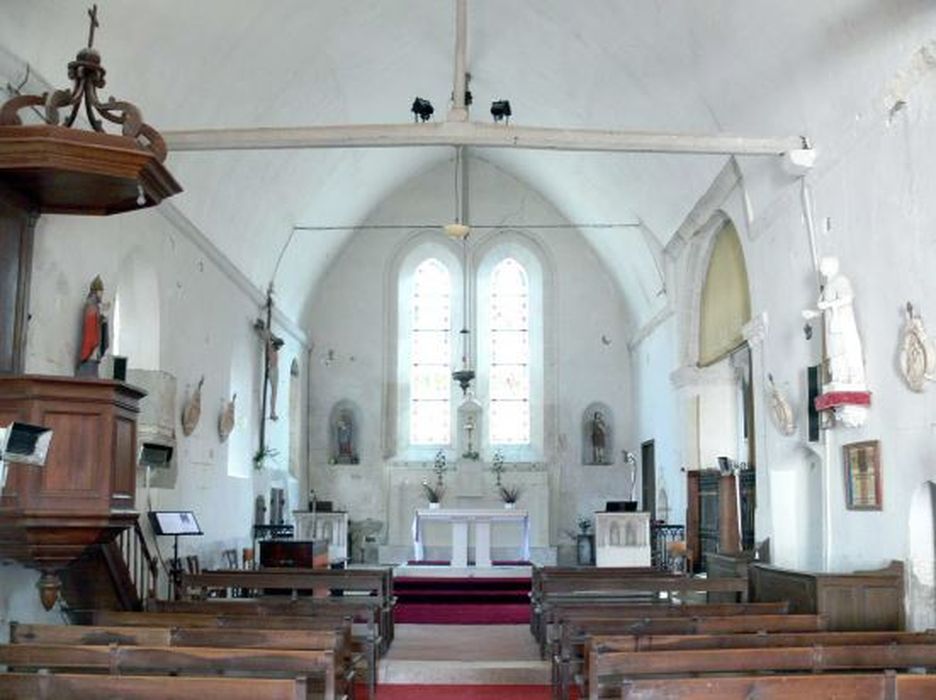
(271,347)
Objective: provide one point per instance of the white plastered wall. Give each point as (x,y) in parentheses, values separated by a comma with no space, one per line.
(873,210)
(205,328)
(349,318)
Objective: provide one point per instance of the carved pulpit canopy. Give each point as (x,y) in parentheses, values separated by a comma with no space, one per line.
(65,170)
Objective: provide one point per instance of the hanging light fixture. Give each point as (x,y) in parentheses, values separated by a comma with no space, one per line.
(459,230)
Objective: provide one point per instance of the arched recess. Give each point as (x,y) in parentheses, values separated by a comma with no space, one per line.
(725,303)
(921,559)
(136,315)
(725,398)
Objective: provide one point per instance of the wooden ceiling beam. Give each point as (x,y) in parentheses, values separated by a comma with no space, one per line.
(476,134)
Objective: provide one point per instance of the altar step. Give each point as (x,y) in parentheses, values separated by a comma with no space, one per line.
(476,600)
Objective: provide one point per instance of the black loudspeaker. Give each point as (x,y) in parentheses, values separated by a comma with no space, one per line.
(120,368)
(812,393)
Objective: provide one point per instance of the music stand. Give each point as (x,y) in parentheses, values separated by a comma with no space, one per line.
(175,524)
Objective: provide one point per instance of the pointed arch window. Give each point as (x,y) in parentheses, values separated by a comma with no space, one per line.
(430,391)
(509,352)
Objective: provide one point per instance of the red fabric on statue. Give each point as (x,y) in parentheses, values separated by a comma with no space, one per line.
(91,332)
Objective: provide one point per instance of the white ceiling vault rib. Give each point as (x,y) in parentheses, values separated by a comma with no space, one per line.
(476,134)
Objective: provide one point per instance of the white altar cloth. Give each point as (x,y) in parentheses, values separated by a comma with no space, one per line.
(460,518)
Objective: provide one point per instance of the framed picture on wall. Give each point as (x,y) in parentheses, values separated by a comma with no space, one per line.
(862,462)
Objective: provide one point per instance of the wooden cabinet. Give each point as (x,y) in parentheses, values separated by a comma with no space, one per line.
(866,600)
(714,522)
(84,494)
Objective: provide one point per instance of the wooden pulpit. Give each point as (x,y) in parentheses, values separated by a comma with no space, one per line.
(84,495)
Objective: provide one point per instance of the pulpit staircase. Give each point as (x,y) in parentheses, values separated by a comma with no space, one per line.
(116,575)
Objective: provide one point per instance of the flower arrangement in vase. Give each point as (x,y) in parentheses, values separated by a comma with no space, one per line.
(434,492)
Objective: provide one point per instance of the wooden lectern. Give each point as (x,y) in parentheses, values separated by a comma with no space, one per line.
(84,495)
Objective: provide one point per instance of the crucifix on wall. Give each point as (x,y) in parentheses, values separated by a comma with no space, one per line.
(271,347)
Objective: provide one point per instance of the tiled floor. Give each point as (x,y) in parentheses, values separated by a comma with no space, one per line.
(465,655)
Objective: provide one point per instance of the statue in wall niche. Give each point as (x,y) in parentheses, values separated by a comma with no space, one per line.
(844,358)
(344,438)
(598,438)
(917,352)
(94,331)
(191,411)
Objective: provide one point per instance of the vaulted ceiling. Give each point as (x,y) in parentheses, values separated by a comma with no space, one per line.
(754,67)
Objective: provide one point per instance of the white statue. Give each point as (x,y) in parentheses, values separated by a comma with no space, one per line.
(917,352)
(843,344)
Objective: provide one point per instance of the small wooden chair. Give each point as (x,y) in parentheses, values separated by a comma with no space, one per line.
(230,558)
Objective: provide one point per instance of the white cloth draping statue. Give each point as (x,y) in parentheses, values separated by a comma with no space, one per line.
(843,344)
(844,357)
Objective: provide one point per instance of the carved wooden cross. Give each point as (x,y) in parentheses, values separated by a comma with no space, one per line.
(92,13)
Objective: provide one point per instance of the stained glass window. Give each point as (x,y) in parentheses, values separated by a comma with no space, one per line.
(431,355)
(509,387)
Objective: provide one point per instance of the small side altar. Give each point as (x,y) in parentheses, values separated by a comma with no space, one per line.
(622,539)
(481,521)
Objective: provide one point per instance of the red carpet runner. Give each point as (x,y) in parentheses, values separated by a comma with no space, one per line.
(462,601)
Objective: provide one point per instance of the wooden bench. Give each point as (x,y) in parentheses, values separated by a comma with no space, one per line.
(815,659)
(121,659)
(602,589)
(350,584)
(364,610)
(362,643)
(553,578)
(83,686)
(585,608)
(597,644)
(577,632)
(885,686)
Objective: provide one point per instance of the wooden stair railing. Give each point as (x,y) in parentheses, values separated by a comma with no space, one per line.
(116,575)
(142,566)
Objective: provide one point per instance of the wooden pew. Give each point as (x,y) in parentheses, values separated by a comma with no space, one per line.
(119,659)
(350,584)
(597,644)
(585,608)
(815,659)
(545,578)
(576,632)
(363,643)
(603,589)
(360,608)
(885,686)
(55,686)
(243,638)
